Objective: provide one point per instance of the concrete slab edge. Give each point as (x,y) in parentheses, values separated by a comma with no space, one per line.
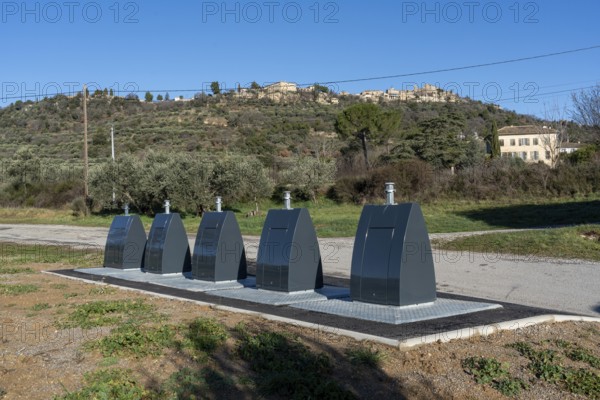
(441,337)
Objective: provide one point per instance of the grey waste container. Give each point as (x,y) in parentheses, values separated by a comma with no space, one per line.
(288,258)
(167,249)
(392,263)
(219,253)
(125,243)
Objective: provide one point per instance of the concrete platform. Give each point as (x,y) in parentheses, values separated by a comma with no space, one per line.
(324,323)
(281,298)
(179,281)
(441,308)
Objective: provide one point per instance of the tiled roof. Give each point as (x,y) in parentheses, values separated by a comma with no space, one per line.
(524,130)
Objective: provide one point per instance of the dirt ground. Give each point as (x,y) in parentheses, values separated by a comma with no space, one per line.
(39,360)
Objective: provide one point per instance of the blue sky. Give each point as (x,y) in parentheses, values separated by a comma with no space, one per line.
(160,45)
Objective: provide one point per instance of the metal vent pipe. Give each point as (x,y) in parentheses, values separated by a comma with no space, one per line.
(218,203)
(126,208)
(167,207)
(287,200)
(389,194)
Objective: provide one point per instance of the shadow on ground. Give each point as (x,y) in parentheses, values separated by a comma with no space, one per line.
(538,215)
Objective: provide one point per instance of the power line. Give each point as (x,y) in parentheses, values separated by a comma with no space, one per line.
(544,94)
(514,60)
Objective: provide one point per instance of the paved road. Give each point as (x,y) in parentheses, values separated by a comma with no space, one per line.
(571,286)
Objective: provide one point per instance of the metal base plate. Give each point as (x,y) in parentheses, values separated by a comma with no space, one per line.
(179,281)
(396,315)
(283,298)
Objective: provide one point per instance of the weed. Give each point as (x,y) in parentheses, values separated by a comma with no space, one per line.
(241,328)
(510,387)
(206,334)
(491,371)
(581,354)
(563,344)
(287,368)
(189,384)
(545,364)
(484,370)
(12,290)
(100,290)
(108,361)
(40,306)
(111,312)
(582,381)
(108,384)
(15,270)
(70,295)
(133,339)
(364,356)
(2,392)
(59,286)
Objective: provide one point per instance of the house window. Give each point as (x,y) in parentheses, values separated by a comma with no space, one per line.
(535,155)
(547,155)
(512,142)
(536,142)
(524,155)
(523,142)
(501,142)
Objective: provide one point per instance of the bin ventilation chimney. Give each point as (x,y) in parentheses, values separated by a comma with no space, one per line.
(218,203)
(389,192)
(287,200)
(167,206)
(126,208)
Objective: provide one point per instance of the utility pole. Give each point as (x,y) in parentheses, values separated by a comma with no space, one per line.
(112,144)
(85,146)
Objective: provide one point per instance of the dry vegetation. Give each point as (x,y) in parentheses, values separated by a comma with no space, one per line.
(74,340)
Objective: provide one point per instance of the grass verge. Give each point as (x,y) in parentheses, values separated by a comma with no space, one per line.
(14,255)
(335,220)
(580,242)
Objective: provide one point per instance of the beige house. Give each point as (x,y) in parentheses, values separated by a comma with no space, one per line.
(281,87)
(531,143)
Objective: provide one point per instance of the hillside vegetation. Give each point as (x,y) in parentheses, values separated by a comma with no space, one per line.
(251,149)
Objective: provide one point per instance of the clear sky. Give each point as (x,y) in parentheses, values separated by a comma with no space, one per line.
(51,46)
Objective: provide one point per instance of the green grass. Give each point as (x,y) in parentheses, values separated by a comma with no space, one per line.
(190,384)
(13,290)
(108,384)
(206,334)
(14,255)
(111,312)
(136,340)
(364,356)
(15,270)
(574,242)
(334,220)
(286,368)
